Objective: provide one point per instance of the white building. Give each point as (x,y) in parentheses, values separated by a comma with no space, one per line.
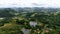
(33,23)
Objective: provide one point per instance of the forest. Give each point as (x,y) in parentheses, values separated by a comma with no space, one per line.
(30,20)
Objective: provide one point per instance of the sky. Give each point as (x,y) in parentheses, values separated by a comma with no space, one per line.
(30,3)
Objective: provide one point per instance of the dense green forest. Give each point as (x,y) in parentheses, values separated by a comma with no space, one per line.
(30,20)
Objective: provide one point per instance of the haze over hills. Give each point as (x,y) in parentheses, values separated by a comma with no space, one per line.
(29,16)
(9,12)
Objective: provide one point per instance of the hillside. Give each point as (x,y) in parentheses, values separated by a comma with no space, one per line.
(30,20)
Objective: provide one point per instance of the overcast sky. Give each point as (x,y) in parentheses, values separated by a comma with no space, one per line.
(29,3)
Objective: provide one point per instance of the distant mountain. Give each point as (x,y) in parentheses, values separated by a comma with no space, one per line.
(36,9)
(10,11)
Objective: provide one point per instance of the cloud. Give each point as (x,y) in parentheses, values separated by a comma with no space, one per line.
(29,3)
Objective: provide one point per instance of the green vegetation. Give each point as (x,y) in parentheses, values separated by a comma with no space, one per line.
(47,20)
